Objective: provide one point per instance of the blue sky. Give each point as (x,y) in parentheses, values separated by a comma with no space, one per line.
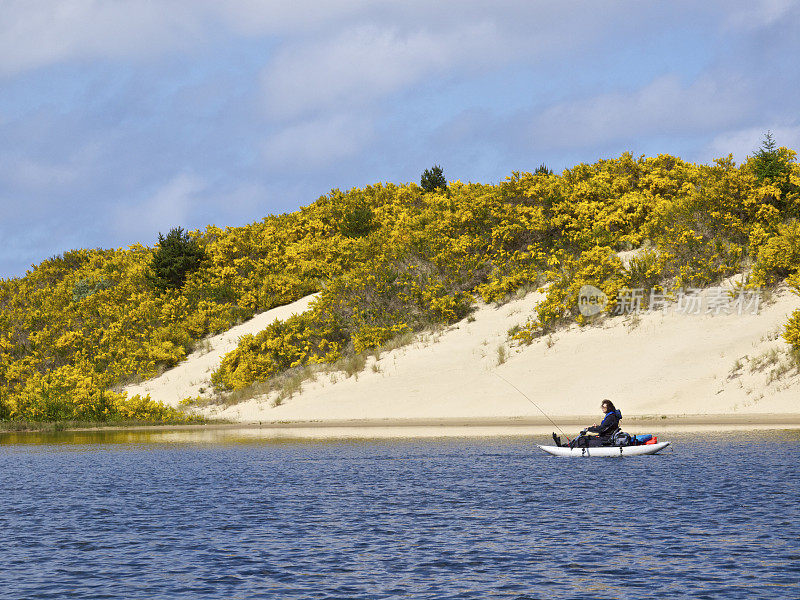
(121,119)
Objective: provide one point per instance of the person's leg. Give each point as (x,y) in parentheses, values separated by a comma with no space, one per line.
(581,441)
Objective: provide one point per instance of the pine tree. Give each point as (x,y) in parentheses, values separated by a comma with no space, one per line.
(176,256)
(767,160)
(433,179)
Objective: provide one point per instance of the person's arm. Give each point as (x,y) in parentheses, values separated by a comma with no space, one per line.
(608,425)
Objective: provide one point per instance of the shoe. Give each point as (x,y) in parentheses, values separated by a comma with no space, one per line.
(557,440)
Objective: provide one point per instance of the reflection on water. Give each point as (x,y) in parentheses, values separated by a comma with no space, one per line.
(254,434)
(237,435)
(247,513)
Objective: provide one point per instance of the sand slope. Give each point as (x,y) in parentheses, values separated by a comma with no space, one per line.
(653,364)
(191,376)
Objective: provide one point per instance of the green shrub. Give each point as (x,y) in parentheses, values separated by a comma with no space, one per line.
(5,408)
(352,214)
(768,162)
(776,173)
(84,288)
(307,338)
(433,179)
(357,222)
(176,256)
(365,308)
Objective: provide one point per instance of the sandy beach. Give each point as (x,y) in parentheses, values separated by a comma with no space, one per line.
(663,369)
(432,428)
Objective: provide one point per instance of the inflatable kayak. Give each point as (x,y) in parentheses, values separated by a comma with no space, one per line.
(605,450)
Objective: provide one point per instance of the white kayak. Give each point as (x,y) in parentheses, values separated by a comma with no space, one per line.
(605,450)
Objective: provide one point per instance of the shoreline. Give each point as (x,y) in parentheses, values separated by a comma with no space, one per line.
(462,426)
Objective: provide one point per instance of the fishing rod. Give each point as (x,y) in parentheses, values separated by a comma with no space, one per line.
(534,403)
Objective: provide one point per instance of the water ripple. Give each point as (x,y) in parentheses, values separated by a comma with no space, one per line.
(446,519)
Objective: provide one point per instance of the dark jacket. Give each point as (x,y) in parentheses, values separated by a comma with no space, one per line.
(609,424)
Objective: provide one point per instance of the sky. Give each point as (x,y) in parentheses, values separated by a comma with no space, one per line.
(122,119)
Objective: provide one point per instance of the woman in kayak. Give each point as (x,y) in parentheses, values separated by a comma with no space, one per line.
(607,428)
(610,423)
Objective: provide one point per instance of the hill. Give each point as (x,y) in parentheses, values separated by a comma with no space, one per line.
(388,261)
(652,363)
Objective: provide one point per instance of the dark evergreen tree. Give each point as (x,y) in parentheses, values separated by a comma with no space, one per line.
(176,256)
(768,162)
(433,179)
(774,165)
(542,170)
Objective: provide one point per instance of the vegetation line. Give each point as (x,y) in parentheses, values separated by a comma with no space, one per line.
(388,261)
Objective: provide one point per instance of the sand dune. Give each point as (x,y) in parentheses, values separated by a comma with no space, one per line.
(654,364)
(191,378)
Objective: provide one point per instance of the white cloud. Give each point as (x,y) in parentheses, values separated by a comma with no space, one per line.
(34,175)
(756,14)
(368,62)
(255,17)
(170,206)
(743,142)
(243,199)
(45,171)
(663,107)
(36,33)
(357,88)
(318,143)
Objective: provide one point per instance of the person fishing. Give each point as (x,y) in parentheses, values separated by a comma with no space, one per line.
(603,432)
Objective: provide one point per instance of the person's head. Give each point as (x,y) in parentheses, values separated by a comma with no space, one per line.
(607,406)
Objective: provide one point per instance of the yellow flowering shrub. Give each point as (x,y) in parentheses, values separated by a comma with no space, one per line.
(779,255)
(67,393)
(387,259)
(701,232)
(599,267)
(791,332)
(362,309)
(93,313)
(301,339)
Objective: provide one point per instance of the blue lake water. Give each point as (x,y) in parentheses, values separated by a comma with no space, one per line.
(131,516)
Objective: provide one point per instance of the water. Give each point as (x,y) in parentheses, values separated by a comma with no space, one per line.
(124,516)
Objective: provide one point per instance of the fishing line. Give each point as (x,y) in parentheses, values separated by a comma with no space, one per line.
(532,402)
